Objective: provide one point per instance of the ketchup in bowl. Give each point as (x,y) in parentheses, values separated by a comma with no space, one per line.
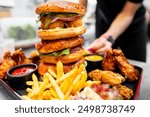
(17,76)
(22,71)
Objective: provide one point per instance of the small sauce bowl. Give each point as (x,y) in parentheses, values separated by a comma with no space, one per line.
(18,75)
(94,61)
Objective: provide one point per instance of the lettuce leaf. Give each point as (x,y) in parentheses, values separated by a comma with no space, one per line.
(58,53)
(37,21)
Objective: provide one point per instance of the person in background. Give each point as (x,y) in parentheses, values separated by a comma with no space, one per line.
(148,22)
(120,24)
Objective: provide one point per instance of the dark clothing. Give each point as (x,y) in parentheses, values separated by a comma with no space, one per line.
(133,40)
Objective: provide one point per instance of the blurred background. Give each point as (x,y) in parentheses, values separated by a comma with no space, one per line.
(18,24)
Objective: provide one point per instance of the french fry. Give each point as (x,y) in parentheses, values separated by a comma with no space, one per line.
(82,81)
(56,87)
(31,83)
(59,85)
(47,95)
(53,93)
(71,80)
(75,83)
(81,68)
(52,73)
(90,83)
(64,85)
(65,76)
(67,94)
(25,97)
(29,90)
(43,85)
(59,67)
(35,83)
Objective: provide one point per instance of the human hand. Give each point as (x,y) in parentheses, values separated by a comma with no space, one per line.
(100,45)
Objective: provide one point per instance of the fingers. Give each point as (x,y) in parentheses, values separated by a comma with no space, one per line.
(100,46)
(104,49)
(98,43)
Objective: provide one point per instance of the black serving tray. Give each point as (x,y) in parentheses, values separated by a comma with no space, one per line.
(135,86)
(7,93)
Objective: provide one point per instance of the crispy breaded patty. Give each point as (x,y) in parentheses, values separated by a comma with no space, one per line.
(43,67)
(56,45)
(76,53)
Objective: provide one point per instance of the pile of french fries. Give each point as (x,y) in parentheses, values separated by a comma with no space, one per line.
(59,85)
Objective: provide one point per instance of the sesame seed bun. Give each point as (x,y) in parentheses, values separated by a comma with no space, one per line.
(60,6)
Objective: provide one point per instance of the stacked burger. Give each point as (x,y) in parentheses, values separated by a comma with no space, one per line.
(60,33)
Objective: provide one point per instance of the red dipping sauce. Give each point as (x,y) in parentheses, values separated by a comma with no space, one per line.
(22,71)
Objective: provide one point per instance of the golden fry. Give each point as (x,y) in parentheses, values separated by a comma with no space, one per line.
(65,76)
(59,67)
(83,80)
(42,87)
(90,83)
(31,83)
(47,95)
(56,87)
(64,86)
(29,90)
(53,93)
(52,73)
(81,68)
(67,94)
(25,97)
(76,80)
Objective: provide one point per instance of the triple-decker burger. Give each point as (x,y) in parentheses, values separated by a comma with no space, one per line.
(60,33)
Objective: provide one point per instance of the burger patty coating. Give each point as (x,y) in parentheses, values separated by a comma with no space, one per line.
(56,45)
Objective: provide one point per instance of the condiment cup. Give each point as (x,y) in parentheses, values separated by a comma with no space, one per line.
(18,75)
(93,63)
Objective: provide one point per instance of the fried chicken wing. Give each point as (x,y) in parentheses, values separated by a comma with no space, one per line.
(106,77)
(127,70)
(126,92)
(6,64)
(19,57)
(35,57)
(108,62)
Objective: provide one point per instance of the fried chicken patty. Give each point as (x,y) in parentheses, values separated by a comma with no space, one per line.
(56,45)
(76,53)
(43,67)
(62,24)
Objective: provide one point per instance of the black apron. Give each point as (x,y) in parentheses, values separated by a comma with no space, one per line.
(133,40)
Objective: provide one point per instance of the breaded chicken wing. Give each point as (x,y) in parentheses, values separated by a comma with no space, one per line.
(108,63)
(6,64)
(19,57)
(35,57)
(127,70)
(126,92)
(106,77)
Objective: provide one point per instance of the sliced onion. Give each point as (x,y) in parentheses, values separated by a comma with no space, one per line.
(65,19)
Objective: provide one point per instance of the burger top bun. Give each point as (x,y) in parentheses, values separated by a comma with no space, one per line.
(60,6)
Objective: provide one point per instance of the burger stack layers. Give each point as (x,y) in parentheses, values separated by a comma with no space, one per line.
(60,33)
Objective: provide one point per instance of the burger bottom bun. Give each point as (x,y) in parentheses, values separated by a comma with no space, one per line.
(43,67)
(65,59)
(61,33)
